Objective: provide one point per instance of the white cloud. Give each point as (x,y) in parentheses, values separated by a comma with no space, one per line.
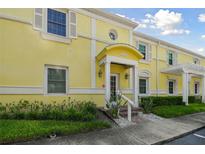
(201,49)
(166,21)
(203,36)
(141,25)
(201,18)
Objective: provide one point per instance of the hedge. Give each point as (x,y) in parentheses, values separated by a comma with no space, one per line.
(169,100)
(70,110)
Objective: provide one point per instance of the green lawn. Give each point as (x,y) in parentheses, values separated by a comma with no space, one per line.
(23,130)
(170,111)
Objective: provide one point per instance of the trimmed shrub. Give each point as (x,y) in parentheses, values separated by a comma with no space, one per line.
(67,110)
(169,100)
(147,105)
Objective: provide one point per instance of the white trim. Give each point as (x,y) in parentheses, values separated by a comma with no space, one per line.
(174,87)
(46,79)
(39,90)
(93,53)
(21,90)
(87,91)
(50,36)
(15,18)
(53,37)
(147,86)
(120,60)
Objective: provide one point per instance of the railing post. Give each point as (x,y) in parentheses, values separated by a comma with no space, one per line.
(129,112)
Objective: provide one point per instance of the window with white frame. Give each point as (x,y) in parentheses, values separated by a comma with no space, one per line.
(56,22)
(196,88)
(171,87)
(143,50)
(143,85)
(196,61)
(56,80)
(170,58)
(62,24)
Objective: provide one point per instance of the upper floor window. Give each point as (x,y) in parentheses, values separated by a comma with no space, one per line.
(196,61)
(56,22)
(170,58)
(113,34)
(56,80)
(143,50)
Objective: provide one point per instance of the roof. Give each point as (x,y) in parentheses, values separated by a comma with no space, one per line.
(145,36)
(113,17)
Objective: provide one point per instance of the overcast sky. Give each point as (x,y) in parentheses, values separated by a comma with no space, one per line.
(183,27)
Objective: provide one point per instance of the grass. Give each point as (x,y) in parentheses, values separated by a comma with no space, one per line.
(23,130)
(170,111)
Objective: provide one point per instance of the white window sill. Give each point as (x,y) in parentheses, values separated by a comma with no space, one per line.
(144,61)
(53,37)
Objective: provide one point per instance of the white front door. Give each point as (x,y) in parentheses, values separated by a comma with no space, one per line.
(114,82)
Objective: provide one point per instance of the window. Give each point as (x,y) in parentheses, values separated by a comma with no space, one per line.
(171,86)
(143,49)
(56,80)
(56,22)
(142,86)
(196,88)
(196,61)
(170,58)
(113,34)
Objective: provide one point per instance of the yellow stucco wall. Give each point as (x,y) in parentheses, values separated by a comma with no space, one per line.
(24,54)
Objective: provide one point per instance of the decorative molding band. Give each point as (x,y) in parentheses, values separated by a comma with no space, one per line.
(21,90)
(15,18)
(38,90)
(86,91)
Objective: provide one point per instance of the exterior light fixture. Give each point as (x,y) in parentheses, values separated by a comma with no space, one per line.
(100,73)
(126,76)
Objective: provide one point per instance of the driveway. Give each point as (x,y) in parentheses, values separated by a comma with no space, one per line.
(146,131)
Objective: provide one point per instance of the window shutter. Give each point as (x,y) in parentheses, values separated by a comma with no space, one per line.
(175,58)
(38,18)
(72,25)
(167,56)
(149,52)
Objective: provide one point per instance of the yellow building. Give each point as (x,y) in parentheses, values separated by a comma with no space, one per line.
(89,54)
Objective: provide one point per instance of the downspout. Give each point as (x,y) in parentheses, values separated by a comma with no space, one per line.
(157,74)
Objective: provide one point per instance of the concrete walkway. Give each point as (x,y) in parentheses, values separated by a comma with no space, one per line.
(145,131)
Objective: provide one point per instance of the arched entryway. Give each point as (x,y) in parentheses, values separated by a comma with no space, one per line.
(122,54)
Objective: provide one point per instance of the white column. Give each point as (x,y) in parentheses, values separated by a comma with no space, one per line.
(107,81)
(135,86)
(203,88)
(185,87)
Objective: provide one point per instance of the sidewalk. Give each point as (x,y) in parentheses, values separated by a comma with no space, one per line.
(146,131)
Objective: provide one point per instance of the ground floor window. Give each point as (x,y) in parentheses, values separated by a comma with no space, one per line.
(56,80)
(171,86)
(143,86)
(196,88)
